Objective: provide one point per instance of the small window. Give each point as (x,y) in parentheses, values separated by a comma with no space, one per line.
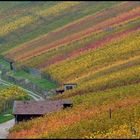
(69,87)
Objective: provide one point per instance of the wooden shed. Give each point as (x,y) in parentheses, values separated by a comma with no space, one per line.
(27,110)
(69,86)
(59,91)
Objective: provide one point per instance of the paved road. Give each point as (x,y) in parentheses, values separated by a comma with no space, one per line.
(4,127)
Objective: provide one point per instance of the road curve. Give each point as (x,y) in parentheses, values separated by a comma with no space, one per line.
(4,127)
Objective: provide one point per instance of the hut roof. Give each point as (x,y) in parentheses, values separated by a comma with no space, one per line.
(70,84)
(37,107)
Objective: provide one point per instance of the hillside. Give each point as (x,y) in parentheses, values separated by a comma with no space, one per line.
(94,44)
(27,20)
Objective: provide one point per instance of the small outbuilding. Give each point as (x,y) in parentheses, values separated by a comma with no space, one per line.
(27,110)
(59,91)
(67,104)
(69,86)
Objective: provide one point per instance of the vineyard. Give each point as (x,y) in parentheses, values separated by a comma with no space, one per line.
(7,96)
(93,44)
(39,24)
(89,116)
(86,37)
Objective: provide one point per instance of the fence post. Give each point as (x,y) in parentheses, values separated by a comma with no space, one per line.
(110,113)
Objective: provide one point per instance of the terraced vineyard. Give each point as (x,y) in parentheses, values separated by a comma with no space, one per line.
(93,44)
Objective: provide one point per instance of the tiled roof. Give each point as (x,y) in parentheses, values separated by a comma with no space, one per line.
(37,107)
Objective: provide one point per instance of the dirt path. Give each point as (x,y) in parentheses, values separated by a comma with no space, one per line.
(4,128)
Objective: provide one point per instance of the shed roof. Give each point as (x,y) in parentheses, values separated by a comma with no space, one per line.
(70,84)
(37,107)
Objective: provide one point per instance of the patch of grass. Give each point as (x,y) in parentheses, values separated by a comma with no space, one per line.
(6,116)
(43,83)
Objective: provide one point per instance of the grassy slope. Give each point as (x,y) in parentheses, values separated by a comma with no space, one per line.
(6,116)
(43,83)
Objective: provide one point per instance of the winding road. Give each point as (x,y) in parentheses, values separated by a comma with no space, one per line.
(4,127)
